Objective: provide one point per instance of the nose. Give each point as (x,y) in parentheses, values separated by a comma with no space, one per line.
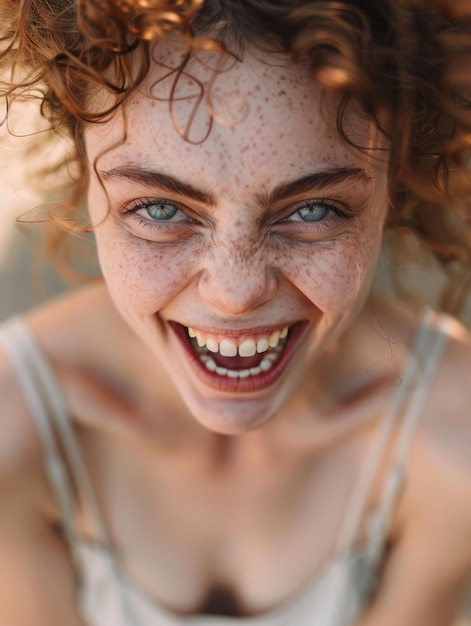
(236,286)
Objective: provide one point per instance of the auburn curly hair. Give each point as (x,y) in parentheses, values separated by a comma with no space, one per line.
(407,62)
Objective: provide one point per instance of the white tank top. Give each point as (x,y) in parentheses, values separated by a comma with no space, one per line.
(335,595)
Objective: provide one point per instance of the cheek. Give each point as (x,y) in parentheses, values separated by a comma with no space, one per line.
(334,276)
(142,275)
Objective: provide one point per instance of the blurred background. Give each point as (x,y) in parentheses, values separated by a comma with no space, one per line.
(27,274)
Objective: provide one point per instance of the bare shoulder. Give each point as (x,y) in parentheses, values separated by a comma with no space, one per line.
(59,326)
(438,493)
(438,485)
(432,526)
(446,424)
(35,562)
(19,444)
(69,326)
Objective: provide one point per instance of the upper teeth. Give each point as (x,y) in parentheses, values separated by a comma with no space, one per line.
(247,347)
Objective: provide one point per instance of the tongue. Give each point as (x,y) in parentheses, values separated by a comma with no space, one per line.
(237,362)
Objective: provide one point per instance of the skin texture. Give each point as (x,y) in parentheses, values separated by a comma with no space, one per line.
(250,518)
(237,262)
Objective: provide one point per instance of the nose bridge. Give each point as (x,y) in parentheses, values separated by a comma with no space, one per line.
(238,278)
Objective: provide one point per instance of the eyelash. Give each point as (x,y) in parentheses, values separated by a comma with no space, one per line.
(331,206)
(137,205)
(301,225)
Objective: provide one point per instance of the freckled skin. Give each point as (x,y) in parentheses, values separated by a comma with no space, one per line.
(241,268)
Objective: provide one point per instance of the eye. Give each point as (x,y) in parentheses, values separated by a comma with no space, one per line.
(313,211)
(315,219)
(160,211)
(159,219)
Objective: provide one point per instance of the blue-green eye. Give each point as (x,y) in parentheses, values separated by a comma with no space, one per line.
(161,211)
(313,212)
(158,213)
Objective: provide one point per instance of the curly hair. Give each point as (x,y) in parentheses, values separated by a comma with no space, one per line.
(405,61)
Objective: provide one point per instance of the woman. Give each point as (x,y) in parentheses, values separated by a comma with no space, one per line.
(234,428)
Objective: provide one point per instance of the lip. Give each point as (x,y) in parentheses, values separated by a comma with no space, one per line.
(236,334)
(242,385)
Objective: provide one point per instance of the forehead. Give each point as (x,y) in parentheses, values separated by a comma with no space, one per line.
(254,120)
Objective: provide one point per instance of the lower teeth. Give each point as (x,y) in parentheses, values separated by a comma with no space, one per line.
(265,365)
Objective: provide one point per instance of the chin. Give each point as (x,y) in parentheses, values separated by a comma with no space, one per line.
(233,417)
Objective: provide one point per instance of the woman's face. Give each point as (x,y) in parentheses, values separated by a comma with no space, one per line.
(239,258)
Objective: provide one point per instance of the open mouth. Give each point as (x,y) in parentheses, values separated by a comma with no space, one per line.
(250,358)
(245,363)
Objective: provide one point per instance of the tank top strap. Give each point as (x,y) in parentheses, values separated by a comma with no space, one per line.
(45,401)
(436,329)
(407,403)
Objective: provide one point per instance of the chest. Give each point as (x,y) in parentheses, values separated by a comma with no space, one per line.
(243,540)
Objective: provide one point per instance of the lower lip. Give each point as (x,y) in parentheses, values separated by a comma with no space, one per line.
(243,385)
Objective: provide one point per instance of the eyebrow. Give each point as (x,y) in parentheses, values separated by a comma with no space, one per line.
(155,178)
(318,180)
(166,182)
